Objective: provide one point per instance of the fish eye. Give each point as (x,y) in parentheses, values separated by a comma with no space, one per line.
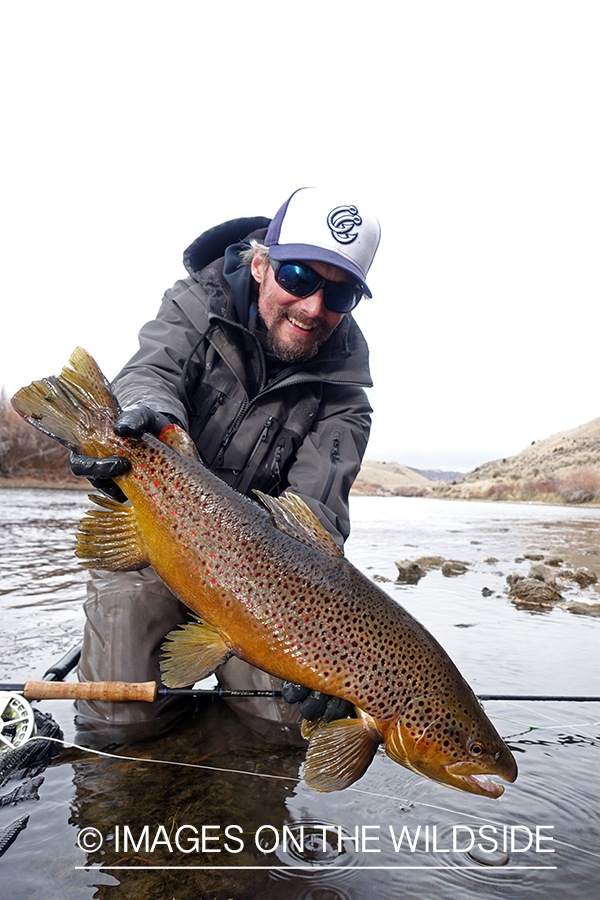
(475,748)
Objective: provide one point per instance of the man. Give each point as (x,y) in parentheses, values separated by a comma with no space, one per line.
(257,356)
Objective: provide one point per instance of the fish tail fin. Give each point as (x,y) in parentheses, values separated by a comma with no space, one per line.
(76,408)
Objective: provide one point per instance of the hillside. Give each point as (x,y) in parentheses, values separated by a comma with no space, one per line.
(387,479)
(564,467)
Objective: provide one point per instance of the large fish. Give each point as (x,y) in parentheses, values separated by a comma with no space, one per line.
(272,588)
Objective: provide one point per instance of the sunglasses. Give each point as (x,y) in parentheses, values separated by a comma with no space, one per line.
(301,281)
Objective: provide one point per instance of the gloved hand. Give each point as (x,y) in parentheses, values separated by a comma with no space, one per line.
(100,472)
(132,421)
(136,419)
(315,704)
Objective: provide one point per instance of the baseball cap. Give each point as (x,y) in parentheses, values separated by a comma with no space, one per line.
(322,226)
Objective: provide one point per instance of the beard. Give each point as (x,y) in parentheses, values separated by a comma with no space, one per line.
(303,348)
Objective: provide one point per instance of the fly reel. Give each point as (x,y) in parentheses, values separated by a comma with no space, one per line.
(17,722)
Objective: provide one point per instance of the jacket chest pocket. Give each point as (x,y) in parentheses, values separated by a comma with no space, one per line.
(207,403)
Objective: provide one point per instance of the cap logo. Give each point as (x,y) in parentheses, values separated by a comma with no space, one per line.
(341,221)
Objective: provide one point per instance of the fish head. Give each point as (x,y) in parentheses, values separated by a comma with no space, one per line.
(451,742)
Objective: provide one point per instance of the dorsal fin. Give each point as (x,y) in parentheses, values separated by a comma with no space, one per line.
(180,441)
(291,515)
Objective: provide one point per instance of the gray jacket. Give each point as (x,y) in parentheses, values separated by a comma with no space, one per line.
(257,423)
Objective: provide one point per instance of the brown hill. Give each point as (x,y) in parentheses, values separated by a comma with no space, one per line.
(563,468)
(388,479)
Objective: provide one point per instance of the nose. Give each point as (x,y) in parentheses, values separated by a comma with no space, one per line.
(313,306)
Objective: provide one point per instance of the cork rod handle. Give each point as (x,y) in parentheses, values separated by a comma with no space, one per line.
(90,690)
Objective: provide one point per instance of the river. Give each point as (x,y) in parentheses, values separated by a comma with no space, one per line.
(265,833)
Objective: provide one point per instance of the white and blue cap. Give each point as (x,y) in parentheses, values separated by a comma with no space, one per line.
(322,226)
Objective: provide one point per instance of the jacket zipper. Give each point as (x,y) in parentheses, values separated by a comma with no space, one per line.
(275,470)
(333,457)
(229,434)
(263,437)
(216,404)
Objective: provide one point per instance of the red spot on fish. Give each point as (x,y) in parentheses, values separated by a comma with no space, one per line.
(173,512)
(121,453)
(156,483)
(213,555)
(213,580)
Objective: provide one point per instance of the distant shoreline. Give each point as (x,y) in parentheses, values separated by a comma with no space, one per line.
(373,490)
(62,484)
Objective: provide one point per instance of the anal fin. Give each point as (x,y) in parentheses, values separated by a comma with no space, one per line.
(339,752)
(192,652)
(108,538)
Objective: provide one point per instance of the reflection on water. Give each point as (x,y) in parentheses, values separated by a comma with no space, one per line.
(393,833)
(38,571)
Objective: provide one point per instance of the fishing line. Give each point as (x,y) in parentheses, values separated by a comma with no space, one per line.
(557,724)
(164,762)
(169,762)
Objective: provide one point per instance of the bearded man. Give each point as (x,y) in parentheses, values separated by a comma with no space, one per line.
(257,356)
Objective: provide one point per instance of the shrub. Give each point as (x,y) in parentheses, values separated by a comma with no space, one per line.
(584,481)
(25,451)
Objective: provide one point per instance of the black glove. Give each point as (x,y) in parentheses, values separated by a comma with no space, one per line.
(100,472)
(132,421)
(139,418)
(314,704)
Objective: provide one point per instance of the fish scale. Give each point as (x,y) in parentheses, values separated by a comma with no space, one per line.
(271,587)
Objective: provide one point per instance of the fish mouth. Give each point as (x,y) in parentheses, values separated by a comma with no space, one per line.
(504,767)
(481,784)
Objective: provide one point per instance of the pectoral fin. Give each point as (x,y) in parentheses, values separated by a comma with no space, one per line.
(192,652)
(339,752)
(108,538)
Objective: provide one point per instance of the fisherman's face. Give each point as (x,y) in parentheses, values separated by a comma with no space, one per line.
(296,327)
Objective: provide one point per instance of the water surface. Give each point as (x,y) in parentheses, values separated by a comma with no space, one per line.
(271,836)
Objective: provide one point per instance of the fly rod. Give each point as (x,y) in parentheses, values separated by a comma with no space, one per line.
(148,691)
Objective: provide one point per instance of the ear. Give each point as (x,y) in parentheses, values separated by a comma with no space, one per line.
(258,267)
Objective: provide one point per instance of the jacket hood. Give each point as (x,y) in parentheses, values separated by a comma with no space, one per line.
(211,244)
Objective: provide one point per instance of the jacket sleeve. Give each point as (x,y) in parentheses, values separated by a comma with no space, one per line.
(153,375)
(329,458)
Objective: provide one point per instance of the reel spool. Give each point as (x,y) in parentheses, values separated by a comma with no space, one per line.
(17,722)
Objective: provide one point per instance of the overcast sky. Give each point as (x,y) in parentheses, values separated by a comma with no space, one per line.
(471,129)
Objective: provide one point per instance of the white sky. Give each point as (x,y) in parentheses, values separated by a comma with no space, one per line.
(471,129)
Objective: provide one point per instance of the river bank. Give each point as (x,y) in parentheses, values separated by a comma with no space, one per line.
(389,484)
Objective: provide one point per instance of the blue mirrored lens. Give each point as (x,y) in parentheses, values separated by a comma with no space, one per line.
(298,280)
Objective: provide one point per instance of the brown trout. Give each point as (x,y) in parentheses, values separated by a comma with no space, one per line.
(273,588)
